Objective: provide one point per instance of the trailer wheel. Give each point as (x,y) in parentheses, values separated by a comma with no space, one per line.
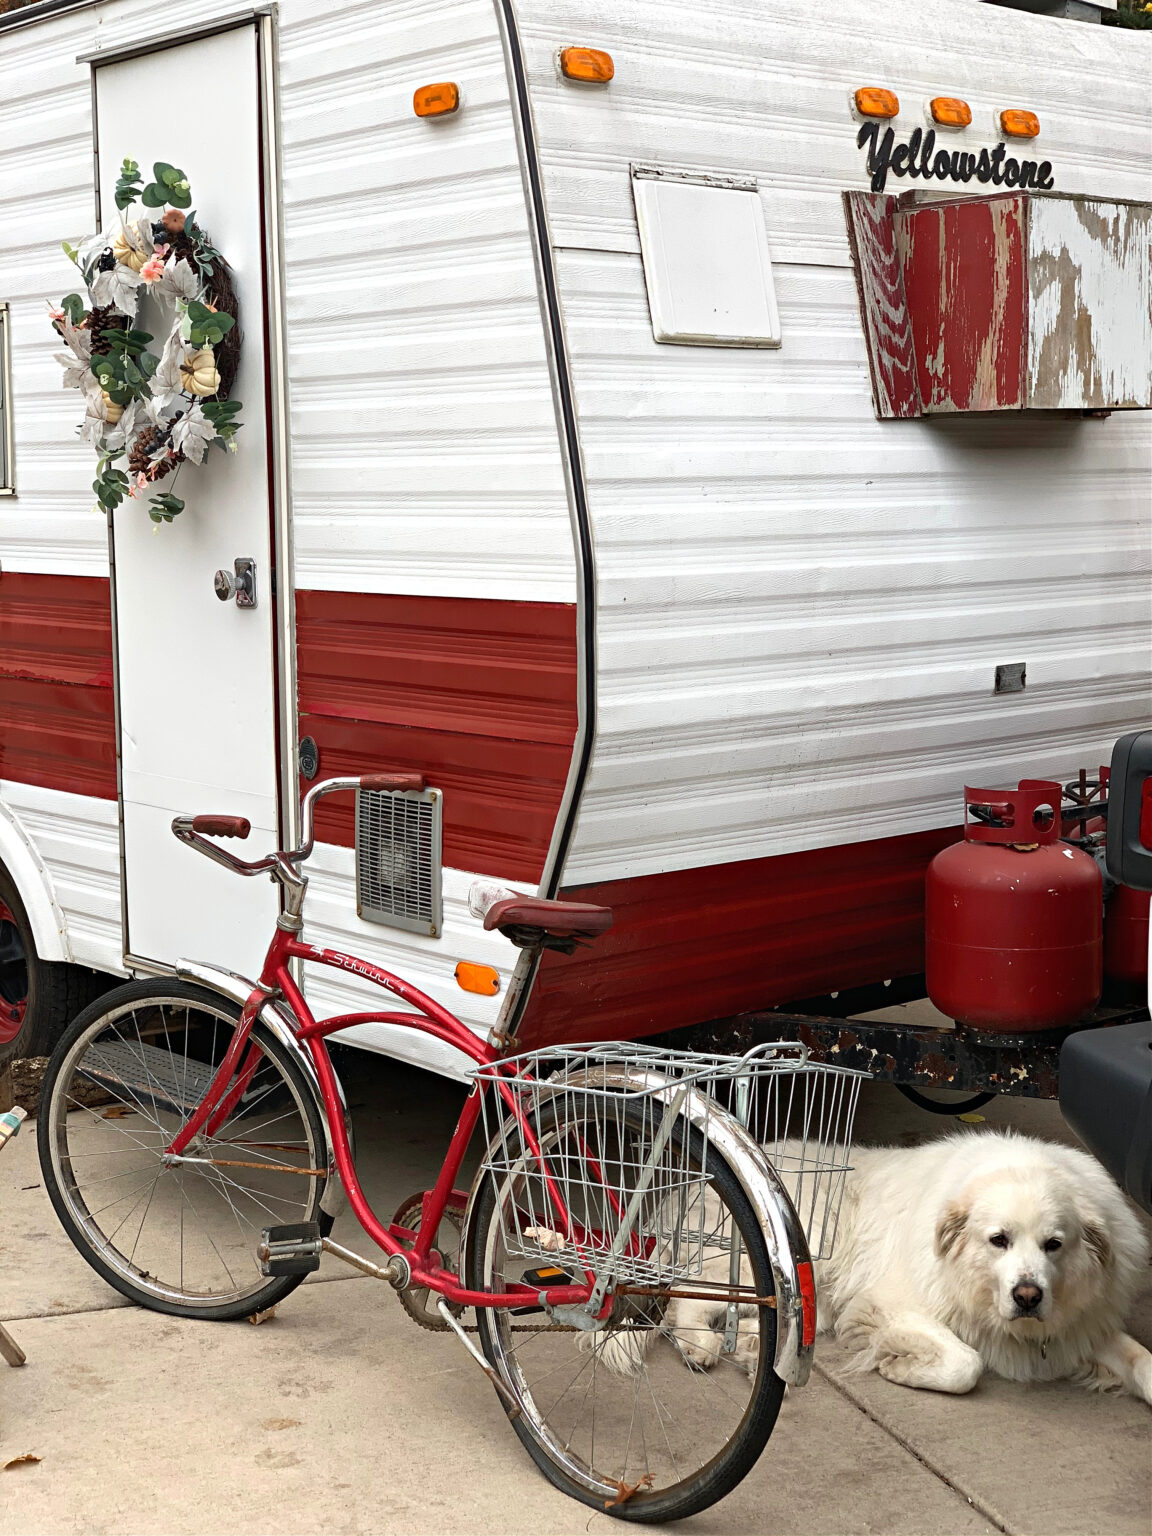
(945,1106)
(38,998)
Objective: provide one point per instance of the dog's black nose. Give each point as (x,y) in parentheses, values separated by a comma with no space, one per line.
(1027,1296)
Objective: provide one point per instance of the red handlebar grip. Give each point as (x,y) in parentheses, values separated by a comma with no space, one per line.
(222,826)
(392,781)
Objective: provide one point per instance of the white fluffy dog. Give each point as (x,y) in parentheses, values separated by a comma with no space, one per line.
(980,1251)
(986,1251)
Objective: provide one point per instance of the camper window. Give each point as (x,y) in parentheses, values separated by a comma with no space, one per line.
(5,404)
(706,262)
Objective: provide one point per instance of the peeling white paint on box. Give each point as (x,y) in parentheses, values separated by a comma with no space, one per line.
(1090,279)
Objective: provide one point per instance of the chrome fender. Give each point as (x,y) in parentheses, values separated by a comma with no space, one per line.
(783,1232)
(277,1019)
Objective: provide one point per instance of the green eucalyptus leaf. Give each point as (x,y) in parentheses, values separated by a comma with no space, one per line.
(153,196)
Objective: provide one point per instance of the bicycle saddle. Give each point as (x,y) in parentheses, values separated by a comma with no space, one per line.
(530,921)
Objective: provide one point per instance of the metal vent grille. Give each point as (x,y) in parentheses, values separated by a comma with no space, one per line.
(398,859)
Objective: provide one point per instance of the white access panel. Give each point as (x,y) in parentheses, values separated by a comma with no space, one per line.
(706,263)
(196,681)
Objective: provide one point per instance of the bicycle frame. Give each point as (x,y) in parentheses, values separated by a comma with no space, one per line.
(241,1059)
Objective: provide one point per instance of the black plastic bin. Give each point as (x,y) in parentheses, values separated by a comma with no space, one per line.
(1106,1097)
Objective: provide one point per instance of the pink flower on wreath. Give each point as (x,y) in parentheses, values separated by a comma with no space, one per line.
(161,250)
(152,271)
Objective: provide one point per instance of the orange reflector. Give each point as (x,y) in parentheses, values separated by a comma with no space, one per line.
(872,101)
(587,64)
(436,100)
(951,112)
(1019,125)
(478,978)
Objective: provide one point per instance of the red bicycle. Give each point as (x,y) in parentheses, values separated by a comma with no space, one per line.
(640,1276)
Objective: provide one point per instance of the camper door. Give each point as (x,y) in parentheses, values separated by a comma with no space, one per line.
(196,675)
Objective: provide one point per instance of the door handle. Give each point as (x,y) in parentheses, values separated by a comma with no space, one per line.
(241,586)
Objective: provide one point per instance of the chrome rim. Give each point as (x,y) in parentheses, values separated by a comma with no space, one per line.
(184,1232)
(633,1406)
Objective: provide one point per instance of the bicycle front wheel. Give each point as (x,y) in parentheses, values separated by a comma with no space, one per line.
(177,1235)
(663,1411)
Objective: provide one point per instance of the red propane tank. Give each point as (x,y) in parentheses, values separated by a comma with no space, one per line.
(1126,941)
(1013,928)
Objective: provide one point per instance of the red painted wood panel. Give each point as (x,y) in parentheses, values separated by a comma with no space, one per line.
(883,308)
(708,943)
(478,695)
(57,719)
(965,279)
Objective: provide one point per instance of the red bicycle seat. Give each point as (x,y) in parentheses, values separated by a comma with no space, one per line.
(561,919)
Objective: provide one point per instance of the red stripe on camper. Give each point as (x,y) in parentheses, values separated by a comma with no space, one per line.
(479,696)
(701,944)
(56,683)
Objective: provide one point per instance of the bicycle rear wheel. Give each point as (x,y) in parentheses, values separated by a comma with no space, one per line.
(650,1418)
(177,1236)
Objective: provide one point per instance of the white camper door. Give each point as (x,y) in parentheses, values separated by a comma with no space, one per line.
(196,675)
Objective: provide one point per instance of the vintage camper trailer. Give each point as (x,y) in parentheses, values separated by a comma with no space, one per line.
(701,452)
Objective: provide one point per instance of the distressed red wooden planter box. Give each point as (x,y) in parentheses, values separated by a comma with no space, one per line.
(1010,303)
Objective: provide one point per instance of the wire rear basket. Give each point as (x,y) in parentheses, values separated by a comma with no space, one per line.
(621,1184)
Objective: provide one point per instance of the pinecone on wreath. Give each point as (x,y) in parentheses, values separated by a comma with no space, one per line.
(140,455)
(100,321)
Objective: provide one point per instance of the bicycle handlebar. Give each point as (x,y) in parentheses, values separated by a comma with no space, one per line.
(194,830)
(222,826)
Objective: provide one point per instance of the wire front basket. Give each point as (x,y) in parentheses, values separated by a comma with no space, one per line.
(598,1170)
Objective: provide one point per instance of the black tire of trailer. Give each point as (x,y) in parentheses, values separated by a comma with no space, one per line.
(51,993)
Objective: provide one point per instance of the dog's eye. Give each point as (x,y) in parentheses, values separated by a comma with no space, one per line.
(1052,1244)
(999,1239)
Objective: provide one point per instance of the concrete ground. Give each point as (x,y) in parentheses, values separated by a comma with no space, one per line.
(340,1414)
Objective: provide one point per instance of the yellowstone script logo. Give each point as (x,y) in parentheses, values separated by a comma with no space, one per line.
(919,157)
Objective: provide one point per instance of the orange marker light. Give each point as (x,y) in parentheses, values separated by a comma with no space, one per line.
(478,978)
(873,101)
(591,64)
(951,112)
(436,100)
(1019,125)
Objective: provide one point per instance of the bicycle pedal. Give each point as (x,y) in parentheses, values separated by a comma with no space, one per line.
(547,1275)
(293,1249)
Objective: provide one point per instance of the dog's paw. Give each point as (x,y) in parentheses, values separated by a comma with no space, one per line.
(702,1349)
(1142,1380)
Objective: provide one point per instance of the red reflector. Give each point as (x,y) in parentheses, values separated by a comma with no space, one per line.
(1146,814)
(808,1304)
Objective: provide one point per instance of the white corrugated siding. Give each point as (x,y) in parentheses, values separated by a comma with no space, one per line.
(76,838)
(45,197)
(800,609)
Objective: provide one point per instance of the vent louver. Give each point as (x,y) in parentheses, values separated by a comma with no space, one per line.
(398,859)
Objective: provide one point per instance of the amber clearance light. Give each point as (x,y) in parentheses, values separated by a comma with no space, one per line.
(873,101)
(951,112)
(1019,125)
(591,64)
(477,978)
(436,100)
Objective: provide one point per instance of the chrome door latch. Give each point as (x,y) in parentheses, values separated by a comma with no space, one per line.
(241,586)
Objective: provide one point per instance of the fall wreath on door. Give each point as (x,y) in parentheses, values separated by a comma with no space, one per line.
(147,412)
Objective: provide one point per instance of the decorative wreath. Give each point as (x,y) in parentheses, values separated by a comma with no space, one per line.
(157,412)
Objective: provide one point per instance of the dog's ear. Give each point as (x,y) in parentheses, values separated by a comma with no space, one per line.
(950,1228)
(1096,1241)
